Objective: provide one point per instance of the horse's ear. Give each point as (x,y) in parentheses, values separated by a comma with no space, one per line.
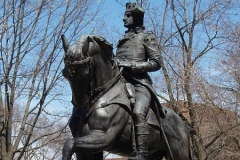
(89,39)
(65,43)
(84,42)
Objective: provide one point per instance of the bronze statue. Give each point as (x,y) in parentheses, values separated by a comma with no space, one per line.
(138,53)
(105,92)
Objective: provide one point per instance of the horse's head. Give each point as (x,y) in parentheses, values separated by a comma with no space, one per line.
(77,53)
(87,46)
(88,65)
(88,49)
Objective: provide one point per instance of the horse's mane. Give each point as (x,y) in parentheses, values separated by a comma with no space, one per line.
(108,50)
(104,44)
(101,40)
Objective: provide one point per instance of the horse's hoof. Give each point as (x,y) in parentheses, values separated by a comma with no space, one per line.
(68,149)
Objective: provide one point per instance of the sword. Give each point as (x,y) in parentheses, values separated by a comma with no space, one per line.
(164,135)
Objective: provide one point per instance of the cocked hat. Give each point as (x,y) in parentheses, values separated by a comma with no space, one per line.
(134,8)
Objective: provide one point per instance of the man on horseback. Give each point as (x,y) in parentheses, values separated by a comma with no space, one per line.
(138,54)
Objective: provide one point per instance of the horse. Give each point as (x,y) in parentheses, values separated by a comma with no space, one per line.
(101,119)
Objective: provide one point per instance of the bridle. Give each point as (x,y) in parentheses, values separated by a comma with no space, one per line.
(94,94)
(76,66)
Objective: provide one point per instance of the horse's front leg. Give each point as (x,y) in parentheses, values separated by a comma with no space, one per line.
(67,150)
(105,124)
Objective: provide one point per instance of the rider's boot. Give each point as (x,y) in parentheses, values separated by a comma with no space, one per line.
(142,133)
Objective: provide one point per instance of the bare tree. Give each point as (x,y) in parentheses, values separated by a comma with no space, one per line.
(229,65)
(189,32)
(30,74)
(189,18)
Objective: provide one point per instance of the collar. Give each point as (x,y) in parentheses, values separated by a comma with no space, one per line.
(136,30)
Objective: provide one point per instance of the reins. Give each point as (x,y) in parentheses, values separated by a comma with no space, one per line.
(95,94)
(87,60)
(100,91)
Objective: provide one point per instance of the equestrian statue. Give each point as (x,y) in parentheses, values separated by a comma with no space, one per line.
(116,108)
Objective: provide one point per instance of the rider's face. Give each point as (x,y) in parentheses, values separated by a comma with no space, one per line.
(128,20)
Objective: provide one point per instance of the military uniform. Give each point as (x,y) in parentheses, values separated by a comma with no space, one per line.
(141,49)
(138,50)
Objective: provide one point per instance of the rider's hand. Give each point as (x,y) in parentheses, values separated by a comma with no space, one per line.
(139,66)
(124,64)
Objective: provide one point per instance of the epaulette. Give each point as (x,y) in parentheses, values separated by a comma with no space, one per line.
(149,36)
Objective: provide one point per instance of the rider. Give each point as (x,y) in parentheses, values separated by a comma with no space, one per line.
(138,54)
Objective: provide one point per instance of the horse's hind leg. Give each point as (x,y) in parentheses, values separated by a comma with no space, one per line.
(179,148)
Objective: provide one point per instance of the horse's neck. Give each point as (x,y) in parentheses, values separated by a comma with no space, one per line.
(103,73)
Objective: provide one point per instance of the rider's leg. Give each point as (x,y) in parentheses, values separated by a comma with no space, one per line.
(140,111)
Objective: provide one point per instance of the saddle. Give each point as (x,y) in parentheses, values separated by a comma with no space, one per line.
(152,117)
(119,95)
